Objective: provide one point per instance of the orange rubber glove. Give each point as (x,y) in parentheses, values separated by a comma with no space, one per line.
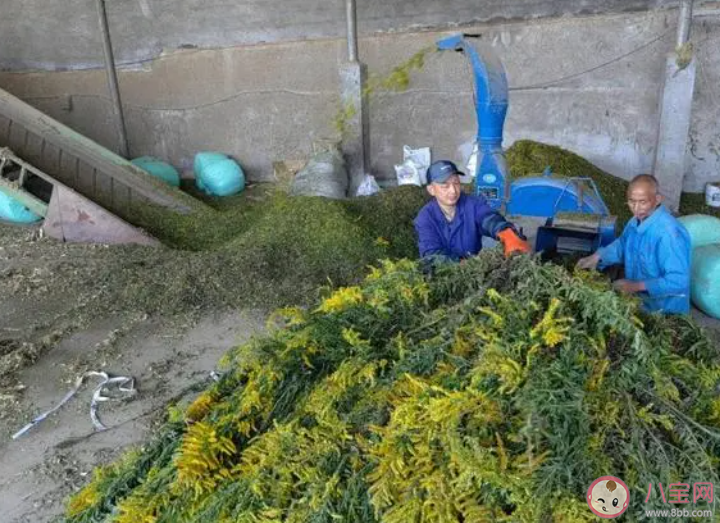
(512,242)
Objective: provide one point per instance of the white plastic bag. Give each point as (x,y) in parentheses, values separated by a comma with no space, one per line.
(407,174)
(413,170)
(368,187)
(472,162)
(420,158)
(712,194)
(324,175)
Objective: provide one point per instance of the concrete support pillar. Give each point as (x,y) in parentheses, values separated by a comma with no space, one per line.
(356,139)
(113,85)
(670,161)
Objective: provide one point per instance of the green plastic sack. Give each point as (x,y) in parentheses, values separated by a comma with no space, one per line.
(13,211)
(703,229)
(158,169)
(705,283)
(218,175)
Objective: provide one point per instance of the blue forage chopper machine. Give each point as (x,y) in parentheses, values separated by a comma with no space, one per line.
(577,219)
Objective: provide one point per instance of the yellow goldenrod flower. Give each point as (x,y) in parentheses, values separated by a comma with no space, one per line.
(341,299)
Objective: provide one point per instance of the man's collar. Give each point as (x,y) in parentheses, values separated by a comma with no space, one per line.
(439,212)
(647,222)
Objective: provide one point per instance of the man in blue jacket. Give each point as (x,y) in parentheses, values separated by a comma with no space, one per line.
(451,226)
(655,249)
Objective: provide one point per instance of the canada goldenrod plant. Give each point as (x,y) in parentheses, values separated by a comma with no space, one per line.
(496,390)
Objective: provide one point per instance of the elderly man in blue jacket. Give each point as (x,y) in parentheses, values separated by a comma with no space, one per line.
(451,226)
(655,249)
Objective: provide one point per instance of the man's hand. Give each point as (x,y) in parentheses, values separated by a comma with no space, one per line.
(589,262)
(512,242)
(629,286)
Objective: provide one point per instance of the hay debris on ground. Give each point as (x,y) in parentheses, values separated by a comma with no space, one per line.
(261,250)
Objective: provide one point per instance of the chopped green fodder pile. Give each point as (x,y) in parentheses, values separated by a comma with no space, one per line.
(694,203)
(497,390)
(281,250)
(263,253)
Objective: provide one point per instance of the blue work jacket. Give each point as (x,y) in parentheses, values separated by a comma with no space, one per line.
(461,237)
(657,252)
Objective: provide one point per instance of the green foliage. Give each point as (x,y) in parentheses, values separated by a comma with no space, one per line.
(396,80)
(692,203)
(119,480)
(389,215)
(495,390)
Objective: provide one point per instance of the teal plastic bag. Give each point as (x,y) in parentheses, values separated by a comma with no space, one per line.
(705,282)
(13,211)
(158,169)
(703,229)
(218,175)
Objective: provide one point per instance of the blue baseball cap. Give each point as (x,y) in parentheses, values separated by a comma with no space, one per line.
(440,171)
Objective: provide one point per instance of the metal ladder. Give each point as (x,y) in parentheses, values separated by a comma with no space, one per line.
(15,188)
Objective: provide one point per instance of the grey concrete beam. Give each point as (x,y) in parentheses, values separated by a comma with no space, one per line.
(356,132)
(113,84)
(33,123)
(676,113)
(673,130)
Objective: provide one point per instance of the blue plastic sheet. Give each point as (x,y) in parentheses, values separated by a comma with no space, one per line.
(218,175)
(705,281)
(159,169)
(703,229)
(13,211)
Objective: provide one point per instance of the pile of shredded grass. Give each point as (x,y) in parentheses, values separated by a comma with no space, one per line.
(529,158)
(694,203)
(496,390)
(262,249)
(277,250)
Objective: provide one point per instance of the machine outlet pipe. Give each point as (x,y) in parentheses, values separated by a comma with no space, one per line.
(685,22)
(113,80)
(352,39)
(491,105)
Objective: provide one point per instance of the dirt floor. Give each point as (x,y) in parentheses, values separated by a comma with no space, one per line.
(46,342)
(44,347)
(169,363)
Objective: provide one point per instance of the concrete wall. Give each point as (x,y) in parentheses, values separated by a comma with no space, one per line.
(590,84)
(38,34)
(704,157)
